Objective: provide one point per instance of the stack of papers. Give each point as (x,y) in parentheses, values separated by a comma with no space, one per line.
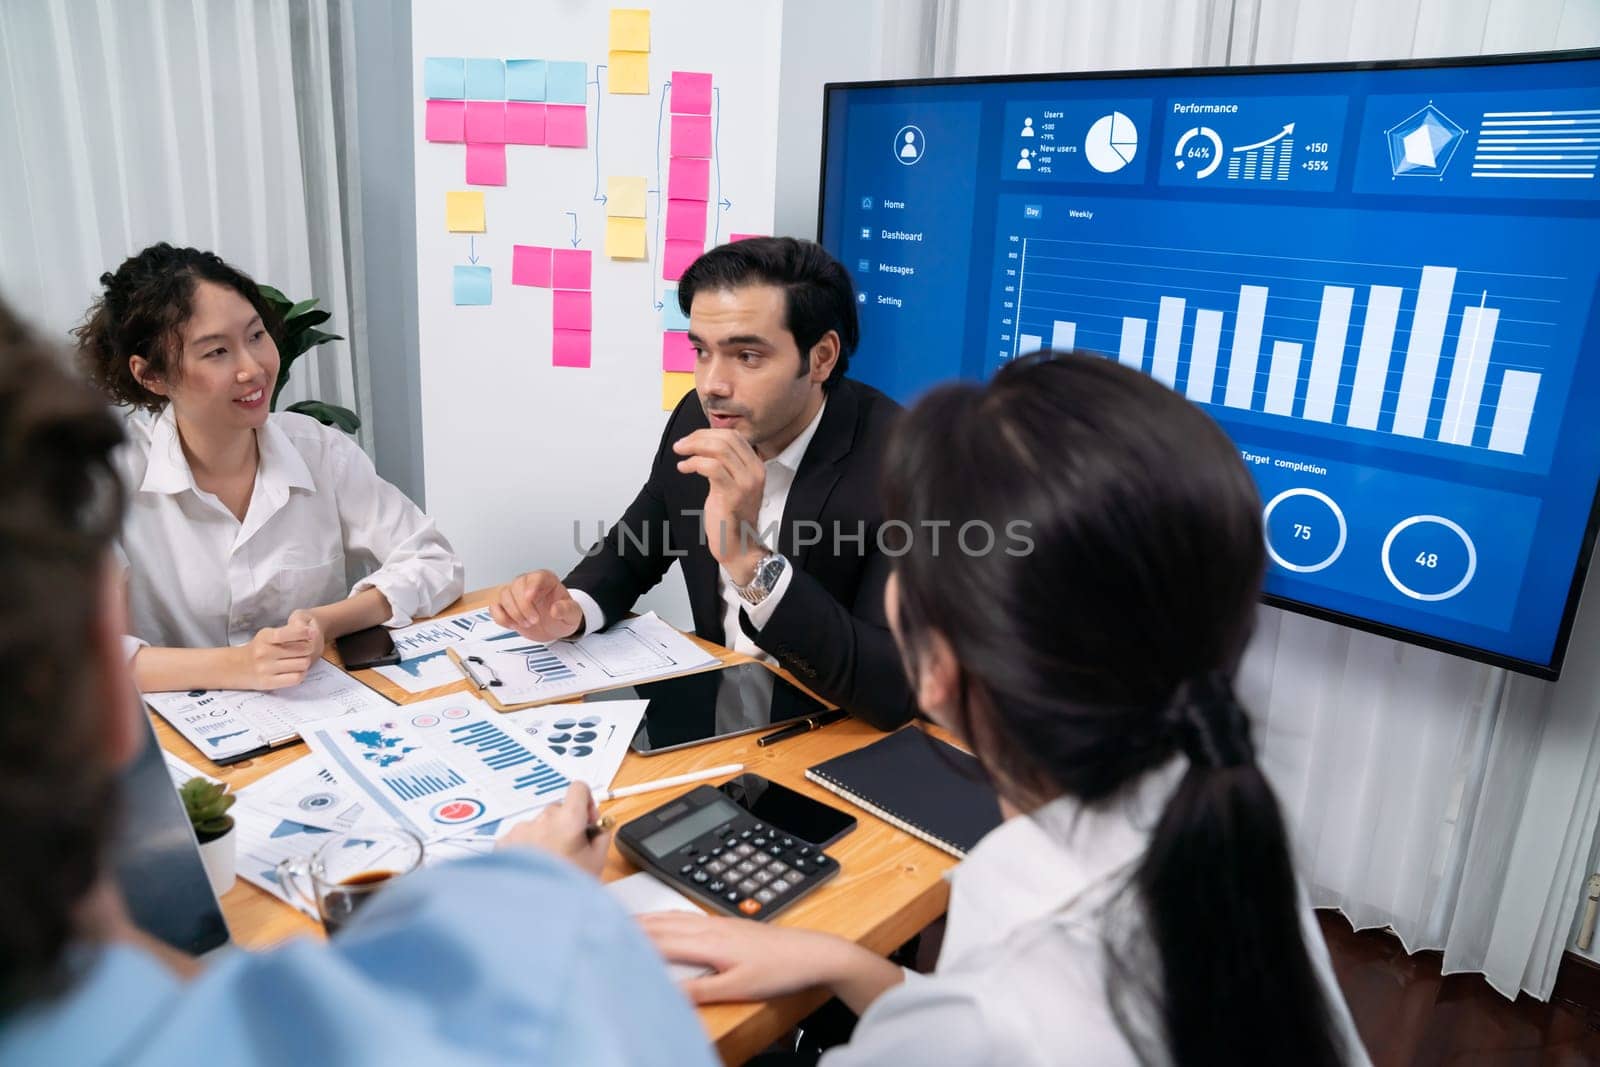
(635,650)
(229,724)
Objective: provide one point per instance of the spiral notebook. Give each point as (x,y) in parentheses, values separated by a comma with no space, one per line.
(929,789)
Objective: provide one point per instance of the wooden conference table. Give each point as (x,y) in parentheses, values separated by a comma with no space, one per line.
(889,886)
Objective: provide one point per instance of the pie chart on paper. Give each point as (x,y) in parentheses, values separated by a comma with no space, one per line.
(1112,143)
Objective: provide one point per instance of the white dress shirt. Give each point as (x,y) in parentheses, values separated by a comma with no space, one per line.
(1021,978)
(319,519)
(781,470)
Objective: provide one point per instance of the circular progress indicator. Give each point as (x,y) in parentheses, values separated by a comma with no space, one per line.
(1429,557)
(1305,530)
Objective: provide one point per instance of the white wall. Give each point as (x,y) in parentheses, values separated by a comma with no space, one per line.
(823,41)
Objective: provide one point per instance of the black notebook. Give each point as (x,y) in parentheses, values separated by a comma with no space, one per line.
(927,788)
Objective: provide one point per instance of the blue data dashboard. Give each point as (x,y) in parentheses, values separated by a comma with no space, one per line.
(1379,279)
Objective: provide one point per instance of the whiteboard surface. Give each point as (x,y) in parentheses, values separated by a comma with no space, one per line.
(516,450)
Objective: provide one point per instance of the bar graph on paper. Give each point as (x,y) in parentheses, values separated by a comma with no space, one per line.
(1426,351)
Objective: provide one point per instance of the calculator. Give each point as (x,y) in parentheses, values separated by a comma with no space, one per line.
(706,846)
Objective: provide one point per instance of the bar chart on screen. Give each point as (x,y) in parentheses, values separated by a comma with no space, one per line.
(1454,345)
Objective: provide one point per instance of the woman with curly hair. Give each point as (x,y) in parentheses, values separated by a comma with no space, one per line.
(251,537)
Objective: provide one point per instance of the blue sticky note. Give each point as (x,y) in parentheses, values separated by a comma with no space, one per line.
(525,79)
(671,317)
(472,285)
(444,79)
(486,79)
(566,83)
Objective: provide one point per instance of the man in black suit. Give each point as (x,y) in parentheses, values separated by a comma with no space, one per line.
(764,487)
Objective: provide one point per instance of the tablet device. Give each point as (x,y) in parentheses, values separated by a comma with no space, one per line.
(694,708)
(156,861)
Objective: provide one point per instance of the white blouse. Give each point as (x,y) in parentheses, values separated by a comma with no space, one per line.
(319,520)
(1021,977)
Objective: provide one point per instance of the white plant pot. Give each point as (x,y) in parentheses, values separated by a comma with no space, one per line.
(221,858)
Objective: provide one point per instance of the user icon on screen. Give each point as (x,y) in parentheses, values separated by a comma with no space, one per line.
(909,150)
(1027,127)
(1023,163)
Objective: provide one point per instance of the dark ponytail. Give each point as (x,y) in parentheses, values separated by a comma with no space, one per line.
(1221,902)
(141,311)
(1103,653)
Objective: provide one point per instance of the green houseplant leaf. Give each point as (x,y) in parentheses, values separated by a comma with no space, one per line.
(207,804)
(300,335)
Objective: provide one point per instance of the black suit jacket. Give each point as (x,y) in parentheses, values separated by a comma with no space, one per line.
(829,628)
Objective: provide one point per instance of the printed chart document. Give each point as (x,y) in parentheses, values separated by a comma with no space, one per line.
(437,767)
(423,664)
(229,724)
(306,791)
(587,741)
(634,650)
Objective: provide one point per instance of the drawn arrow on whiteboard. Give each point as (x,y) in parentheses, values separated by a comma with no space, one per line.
(716,152)
(598,197)
(574,215)
(472,248)
(655,275)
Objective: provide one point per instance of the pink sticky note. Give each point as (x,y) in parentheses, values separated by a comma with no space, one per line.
(686,220)
(570,348)
(570,310)
(677,354)
(571,269)
(486,122)
(689,179)
(530,265)
(691,135)
(486,164)
(691,93)
(447,121)
(524,123)
(566,126)
(678,255)
(732,237)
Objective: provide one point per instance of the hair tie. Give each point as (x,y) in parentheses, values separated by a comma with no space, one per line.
(1208,724)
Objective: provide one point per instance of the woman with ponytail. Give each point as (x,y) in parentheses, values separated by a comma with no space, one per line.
(245,530)
(1139,902)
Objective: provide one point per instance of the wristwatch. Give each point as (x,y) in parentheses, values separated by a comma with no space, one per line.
(768,571)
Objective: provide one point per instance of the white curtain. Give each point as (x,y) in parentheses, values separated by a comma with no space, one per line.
(1450,801)
(213,124)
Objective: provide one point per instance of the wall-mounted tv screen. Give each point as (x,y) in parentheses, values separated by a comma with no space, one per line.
(1378,278)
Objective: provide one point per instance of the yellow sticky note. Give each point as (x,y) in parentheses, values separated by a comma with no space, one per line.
(625,238)
(674,384)
(463,212)
(625,198)
(630,29)
(629,72)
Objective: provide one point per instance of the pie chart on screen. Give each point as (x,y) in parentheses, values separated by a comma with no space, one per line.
(1112,143)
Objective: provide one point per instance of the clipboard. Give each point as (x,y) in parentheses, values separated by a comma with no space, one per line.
(482,677)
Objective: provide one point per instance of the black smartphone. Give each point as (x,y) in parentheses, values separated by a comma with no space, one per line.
(372,647)
(793,813)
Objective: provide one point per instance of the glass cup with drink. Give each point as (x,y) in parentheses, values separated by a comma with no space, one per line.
(348,869)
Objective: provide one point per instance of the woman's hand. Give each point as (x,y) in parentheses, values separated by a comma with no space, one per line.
(280,656)
(751,961)
(562,830)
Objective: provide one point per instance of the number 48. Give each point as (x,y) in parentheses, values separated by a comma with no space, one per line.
(1428,559)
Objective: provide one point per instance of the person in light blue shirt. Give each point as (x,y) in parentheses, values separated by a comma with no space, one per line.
(516,957)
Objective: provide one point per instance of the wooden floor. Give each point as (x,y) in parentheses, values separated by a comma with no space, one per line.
(1410,1016)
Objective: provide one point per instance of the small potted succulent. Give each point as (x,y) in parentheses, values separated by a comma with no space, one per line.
(207,803)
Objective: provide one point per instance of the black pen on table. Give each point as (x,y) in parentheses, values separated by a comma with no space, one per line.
(804,726)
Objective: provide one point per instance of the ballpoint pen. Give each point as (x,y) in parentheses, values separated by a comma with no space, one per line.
(805,725)
(598,827)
